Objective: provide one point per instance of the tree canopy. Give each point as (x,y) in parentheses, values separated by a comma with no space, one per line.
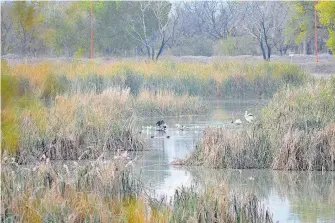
(150,29)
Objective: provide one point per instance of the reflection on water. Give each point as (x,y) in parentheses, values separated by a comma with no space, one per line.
(291,196)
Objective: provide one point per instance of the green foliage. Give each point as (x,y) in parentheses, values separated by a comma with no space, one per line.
(233,46)
(301,22)
(133,81)
(18,103)
(53,85)
(9,89)
(197,46)
(27,20)
(326,11)
(68,30)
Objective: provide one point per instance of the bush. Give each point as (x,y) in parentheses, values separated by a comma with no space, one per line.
(233,46)
(196,46)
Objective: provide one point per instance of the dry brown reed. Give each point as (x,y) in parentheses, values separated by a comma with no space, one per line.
(294,132)
(150,103)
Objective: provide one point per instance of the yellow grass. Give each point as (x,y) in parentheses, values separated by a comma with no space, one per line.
(219,70)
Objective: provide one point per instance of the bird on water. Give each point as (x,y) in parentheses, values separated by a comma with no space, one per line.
(249,117)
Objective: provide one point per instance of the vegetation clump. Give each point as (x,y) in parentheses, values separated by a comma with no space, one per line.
(67,109)
(65,123)
(106,191)
(165,103)
(296,131)
(224,79)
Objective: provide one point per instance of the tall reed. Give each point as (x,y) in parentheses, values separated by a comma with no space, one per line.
(106,191)
(296,131)
(227,79)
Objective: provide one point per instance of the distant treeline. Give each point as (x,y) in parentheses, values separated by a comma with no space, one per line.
(128,29)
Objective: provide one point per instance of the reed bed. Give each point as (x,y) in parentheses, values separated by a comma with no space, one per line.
(296,131)
(288,185)
(72,127)
(167,103)
(214,205)
(78,123)
(106,191)
(33,93)
(94,191)
(227,79)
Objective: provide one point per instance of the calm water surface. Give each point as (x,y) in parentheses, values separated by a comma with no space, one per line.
(290,196)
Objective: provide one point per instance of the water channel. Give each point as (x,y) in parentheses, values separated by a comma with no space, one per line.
(292,196)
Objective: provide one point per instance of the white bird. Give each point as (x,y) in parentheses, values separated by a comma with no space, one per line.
(249,117)
(130,163)
(124,154)
(238,122)
(67,169)
(147,127)
(251,178)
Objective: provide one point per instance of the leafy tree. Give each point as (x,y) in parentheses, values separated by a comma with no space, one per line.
(326,11)
(27,20)
(111,36)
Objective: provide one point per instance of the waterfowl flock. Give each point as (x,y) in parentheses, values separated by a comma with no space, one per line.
(161,126)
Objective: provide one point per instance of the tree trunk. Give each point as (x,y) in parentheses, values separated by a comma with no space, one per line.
(262,48)
(161,48)
(266,42)
(148,50)
(152,52)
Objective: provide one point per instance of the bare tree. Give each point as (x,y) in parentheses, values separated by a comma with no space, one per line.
(265,24)
(216,20)
(154,26)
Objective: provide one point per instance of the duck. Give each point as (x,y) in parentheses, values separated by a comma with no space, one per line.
(236,122)
(161,126)
(249,117)
(181,127)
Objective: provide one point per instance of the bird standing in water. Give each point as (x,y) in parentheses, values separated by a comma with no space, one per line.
(249,117)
